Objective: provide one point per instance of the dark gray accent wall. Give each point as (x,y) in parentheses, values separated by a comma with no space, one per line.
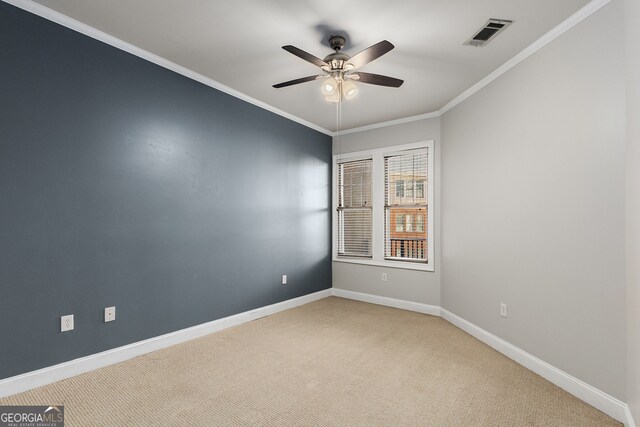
(123,183)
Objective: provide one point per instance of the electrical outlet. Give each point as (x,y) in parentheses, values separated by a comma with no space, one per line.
(384,277)
(284,279)
(109,314)
(503,309)
(66,323)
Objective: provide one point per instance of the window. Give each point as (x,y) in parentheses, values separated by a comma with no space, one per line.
(408,189)
(409,168)
(420,189)
(354,208)
(383,204)
(409,223)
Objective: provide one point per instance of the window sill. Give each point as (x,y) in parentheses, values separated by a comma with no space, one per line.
(386,263)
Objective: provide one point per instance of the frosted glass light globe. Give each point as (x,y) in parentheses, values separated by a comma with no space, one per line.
(329,86)
(349,89)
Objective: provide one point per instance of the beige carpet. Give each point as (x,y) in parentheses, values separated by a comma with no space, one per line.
(334,362)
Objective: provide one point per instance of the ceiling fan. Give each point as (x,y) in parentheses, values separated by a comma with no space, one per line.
(340,69)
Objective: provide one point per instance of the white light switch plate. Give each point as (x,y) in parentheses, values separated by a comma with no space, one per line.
(284,279)
(503,310)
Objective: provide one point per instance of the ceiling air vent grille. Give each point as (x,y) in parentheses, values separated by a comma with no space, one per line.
(488,32)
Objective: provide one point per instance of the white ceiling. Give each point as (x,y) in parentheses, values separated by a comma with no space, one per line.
(239,45)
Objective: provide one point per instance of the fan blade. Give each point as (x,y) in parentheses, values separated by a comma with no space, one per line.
(305,55)
(370,53)
(376,79)
(296,81)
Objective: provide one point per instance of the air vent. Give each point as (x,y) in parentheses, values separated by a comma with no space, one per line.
(488,32)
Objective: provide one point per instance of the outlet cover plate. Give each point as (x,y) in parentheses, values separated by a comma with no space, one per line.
(66,323)
(109,314)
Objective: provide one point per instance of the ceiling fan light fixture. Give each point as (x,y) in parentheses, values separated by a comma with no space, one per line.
(329,86)
(333,98)
(338,68)
(349,89)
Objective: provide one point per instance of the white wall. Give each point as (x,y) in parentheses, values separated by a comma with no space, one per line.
(632,18)
(533,204)
(411,285)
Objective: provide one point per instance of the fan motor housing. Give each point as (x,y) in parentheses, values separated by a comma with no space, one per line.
(337,59)
(336,42)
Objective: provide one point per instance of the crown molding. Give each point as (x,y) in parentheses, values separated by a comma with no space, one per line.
(586,11)
(66,21)
(50,14)
(583,13)
(389,123)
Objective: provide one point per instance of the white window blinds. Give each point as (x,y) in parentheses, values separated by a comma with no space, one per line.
(406,206)
(354,208)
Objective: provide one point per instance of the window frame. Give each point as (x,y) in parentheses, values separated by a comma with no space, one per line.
(377,205)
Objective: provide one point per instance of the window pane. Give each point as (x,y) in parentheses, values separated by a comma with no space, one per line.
(404,173)
(354,208)
(408,190)
(399,222)
(419,189)
(356,232)
(356,183)
(409,241)
(406,206)
(399,188)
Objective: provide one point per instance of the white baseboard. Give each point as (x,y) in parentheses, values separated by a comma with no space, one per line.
(628,422)
(389,302)
(51,374)
(589,394)
(583,391)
